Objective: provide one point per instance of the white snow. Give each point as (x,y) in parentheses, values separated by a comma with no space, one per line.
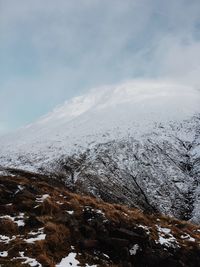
(188,238)
(39,231)
(164,230)
(70,260)
(5,239)
(36,236)
(42,198)
(3,173)
(105,255)
(134,249)
(20,188)
(166,238)
(100,212)
(34,239)
(70,212)
(146,228)
(3,254)
(27,260)
(19,220)
(101,115)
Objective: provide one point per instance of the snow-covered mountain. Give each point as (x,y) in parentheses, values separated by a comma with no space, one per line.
(137,143)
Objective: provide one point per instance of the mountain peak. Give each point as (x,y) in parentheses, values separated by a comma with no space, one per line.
(139,97)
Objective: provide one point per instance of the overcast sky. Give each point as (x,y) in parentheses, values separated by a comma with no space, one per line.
(53,50)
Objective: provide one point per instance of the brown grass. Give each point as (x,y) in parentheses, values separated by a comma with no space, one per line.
(8,227)
(57,234)
(39,246)
(48,207)
(45,260)
(7,209)
(63,230)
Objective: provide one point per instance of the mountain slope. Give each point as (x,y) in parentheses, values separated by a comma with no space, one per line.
(159,172)
(44,224)
(137,144)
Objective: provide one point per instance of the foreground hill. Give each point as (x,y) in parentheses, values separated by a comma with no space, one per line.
(136,144)
(44,224)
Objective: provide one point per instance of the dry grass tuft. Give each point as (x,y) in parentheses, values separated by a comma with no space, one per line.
(8,227)
(39,246)
(45,260)
(75,204)
(57,235)
(48,207)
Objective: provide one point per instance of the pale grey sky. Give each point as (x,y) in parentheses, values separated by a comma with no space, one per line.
(53,50)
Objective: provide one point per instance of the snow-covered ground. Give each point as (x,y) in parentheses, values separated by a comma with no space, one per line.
(104,114)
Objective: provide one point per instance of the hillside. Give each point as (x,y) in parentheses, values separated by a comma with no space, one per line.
(136,144)
(44,224)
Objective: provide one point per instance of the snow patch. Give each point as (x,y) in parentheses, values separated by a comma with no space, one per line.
(70,212)
(166,238)
(3,254)
(42,198)
(70,260)
(34,239)
(146,228)
(20,188)
(27,260)
(37,236)
(188,238)
(134,249)
(19,220)
(5,239)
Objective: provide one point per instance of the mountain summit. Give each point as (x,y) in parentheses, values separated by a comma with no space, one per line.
(136,143)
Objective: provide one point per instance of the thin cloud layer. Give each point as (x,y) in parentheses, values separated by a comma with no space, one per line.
(53,50)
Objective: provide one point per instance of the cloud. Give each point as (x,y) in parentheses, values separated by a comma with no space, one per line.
(53,50)
(179,59)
